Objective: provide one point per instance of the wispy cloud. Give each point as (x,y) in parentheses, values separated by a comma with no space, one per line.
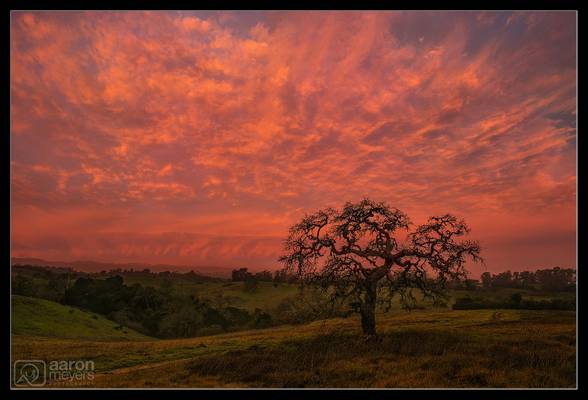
(235,124)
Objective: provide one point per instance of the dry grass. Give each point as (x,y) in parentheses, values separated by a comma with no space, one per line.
(442,348)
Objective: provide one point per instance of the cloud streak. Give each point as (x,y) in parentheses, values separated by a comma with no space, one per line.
(235,124)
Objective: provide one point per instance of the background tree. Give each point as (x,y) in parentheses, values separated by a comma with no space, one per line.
(356,252)
(527,279)
(503,279)
(264,276)
(556,279)
(486,279)
(251,284)
(240,275)
(470,284)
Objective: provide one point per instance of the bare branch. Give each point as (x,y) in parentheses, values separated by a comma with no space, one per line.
(354,252)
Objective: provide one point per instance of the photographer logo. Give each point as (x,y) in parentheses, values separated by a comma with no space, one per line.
(30,373)
(35,373)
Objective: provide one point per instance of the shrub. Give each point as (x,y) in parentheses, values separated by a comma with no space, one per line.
(261,319)
(250,285)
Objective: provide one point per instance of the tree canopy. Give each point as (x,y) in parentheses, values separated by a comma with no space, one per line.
(359,250)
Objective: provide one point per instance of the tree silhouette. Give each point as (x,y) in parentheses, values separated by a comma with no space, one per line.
(356,253)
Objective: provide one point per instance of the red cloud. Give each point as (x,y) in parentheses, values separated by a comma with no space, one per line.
(234,125)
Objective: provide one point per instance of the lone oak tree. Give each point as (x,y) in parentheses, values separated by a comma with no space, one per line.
(356,252)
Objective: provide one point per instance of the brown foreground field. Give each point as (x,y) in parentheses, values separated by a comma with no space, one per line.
(426,348)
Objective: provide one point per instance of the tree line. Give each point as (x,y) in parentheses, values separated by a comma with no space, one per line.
(161,311)
(551,279)
(280,276)
(515,302)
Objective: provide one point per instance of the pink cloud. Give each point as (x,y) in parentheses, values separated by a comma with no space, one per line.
(234,125)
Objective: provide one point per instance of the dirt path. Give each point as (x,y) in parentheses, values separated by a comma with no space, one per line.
(140,367)
(123,371)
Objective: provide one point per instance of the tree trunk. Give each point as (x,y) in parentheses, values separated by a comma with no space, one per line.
(368,311)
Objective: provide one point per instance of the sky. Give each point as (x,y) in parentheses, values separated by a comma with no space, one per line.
(198,138)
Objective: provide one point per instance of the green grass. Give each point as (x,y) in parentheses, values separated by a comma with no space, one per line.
(266,297)
(37,317)
(424,348)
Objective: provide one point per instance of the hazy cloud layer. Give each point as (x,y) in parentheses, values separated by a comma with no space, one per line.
(200,137)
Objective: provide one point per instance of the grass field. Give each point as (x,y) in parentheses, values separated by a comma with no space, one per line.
(266,296)
(425,348)
(37,317)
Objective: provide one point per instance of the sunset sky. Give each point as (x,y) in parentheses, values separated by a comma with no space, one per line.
(198,138)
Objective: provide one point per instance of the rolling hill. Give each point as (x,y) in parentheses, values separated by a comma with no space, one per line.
(96,266)
(425,348)
(37,317)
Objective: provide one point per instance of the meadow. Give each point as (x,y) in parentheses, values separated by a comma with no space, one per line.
(430,347)
(34,317)
(266,295)
(423,348)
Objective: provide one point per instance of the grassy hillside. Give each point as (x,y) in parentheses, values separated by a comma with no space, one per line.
(266,296)
(425,348)
(37,317)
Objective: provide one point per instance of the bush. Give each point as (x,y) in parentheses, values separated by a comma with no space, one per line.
(236,316)
(515,299)
(250,285)
(261,319)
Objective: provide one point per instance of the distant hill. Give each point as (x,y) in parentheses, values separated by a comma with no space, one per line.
(96,266)
(38,317)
